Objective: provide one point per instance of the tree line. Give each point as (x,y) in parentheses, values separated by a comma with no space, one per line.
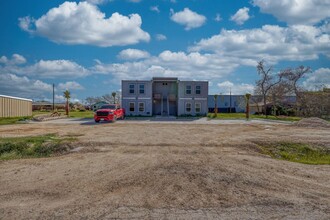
(114,97)
(273,87)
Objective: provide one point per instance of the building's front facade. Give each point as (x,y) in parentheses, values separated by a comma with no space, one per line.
(164,97)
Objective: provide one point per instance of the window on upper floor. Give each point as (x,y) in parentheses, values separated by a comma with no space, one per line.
(131,89)
(141,88)
(198,90)
(188,89)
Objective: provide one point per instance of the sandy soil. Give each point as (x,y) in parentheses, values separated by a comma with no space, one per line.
(165,171)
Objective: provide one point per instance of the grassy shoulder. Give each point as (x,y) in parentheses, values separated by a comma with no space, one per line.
(242,116)
(72,114)
(13,120)
(297,152)
(81,114)
(34,146)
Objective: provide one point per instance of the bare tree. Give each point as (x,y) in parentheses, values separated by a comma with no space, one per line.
(292,77)
(108,98)
(315,103)
(90,100)
(267,82)
(256,100)
(277,95)
(118,97)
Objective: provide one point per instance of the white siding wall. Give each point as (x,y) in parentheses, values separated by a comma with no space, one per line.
(14,107)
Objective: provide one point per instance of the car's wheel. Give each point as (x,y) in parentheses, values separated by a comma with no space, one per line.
(114,118)
(97,121)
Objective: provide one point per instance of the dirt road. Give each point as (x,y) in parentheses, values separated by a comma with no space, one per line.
(165,171)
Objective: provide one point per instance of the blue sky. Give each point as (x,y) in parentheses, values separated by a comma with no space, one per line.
(89,46)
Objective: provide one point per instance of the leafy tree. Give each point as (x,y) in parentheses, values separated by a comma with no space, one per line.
(67,96)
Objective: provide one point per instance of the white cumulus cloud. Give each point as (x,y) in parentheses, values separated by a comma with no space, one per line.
(160,37)
(296,11)
(55,69)
(217,17)
(236,89)
(13,85)
(318,79)
(175,64)
(71,85)
(188,18)
(15,59)
(155,8)
(133,54)
(98,2)
(83,23)
(271,43)
(241,16)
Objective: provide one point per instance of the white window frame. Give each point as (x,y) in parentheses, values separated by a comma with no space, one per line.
(186,89)
(129,88)
(140,106)
(129,106)
(188,103)
(143,89)
(200,107)
(200,89)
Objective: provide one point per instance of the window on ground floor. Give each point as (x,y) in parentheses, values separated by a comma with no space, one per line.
(198,107)
(131,106)
(141,106)
(188,107)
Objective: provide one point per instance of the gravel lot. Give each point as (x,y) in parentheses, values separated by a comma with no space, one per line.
(153,169)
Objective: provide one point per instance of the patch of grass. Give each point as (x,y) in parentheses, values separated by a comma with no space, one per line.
(8,121)
(81,114)
(227,115)
(297,152)
(36,146)
(242,116)
(72,114)
(280,118)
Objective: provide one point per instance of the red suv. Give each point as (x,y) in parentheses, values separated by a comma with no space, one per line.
(109,112)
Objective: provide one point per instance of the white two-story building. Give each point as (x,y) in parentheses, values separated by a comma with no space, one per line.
(164,96)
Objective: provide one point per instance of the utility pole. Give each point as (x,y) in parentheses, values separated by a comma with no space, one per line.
(230,100)
(53,97)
